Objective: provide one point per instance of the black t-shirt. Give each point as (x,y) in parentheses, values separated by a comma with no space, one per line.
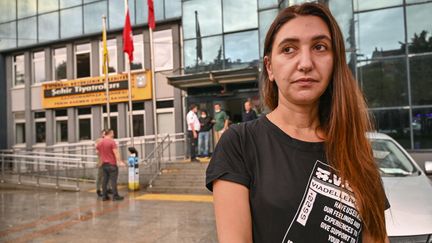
(294,194)
(206,123)
(249,116)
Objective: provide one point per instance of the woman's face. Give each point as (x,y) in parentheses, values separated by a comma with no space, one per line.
(301,61)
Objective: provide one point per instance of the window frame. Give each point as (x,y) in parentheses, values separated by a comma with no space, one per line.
(89,51)
(101,73)
(54,63)
(83,117)
(39,59)
(39,120)
(14,64)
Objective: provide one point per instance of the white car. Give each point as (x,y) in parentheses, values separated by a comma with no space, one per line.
(408,190)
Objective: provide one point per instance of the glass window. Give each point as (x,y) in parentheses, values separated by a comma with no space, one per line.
(7,11)
(69,3)
(211,57)
(27,33)
(267,3)
(172,8)
(112,55)
(47,5)
(419,24)
(26,8)
(48,27)
(89,1)
(159,9)
(84,128)
(40,129)
(18,70)
(360,5)
(113,121)
(82,60)
(141,12)
(421,80)
(61,131)
(165,123)
(71,22)
(241,49)
(163,50)
(384,82)
(239,15)
(415,1)
(380,33)
(265,20)
(209,16)
(59,62)
(422,128)
(138,125)
(138,62)
(39,67)
(93,16)
(20,130)
(117,13)
(8,35)
(342,11)
(394,123)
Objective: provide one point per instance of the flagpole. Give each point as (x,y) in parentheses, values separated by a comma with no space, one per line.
(106,73)
(155,126)
(130,103)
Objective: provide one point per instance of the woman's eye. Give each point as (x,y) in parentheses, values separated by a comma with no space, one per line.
(288,50)
(320,47)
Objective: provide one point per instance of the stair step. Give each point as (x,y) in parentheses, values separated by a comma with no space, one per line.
(180,190)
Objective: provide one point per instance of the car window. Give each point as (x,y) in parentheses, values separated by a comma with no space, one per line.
(391,160)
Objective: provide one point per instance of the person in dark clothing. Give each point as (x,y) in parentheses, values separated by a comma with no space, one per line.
(204,134)
(248,114)
(193,130)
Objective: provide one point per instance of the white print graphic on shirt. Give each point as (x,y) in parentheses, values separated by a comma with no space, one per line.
(327,212)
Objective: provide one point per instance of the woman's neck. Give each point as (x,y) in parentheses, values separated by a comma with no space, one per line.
(298,121)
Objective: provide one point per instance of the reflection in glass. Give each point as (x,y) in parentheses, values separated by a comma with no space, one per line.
(39,67)
(59,62)
(18,70)
(267,4)
(27,33)
(239,15)
(421,80)
(384,82)
(159,9)
(163,50)
(40,128)
(342,10)
(138,125)
(5,11)
(209,18)
(419,28)
(380,33)
(422,128)
(141,12)
(241,49)
(117,13)
(138,62)
(112,55)
(212,55)
(172,8)
(84,129)
(26,8)
(71,22)
(93,16)
(48,27)
(47,5)
(265,20)
(8,34)
(61,131)
(360,5)
(69,3)
(394,123)
(20,133)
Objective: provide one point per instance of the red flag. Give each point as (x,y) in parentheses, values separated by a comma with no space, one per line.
(151,16)
(128,46)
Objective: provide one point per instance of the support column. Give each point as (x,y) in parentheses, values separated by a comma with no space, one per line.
(122,124)
(29,125)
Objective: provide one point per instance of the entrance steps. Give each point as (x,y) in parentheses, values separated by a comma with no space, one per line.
(181,178)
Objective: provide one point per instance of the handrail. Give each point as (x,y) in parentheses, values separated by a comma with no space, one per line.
(59,154)
(154,149)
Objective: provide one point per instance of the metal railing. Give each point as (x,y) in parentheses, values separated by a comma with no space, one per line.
(65,166)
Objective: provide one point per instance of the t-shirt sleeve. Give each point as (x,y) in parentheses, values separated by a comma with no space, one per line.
(113,145)
(228,162)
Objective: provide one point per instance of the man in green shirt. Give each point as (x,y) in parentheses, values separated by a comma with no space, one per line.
(220,122)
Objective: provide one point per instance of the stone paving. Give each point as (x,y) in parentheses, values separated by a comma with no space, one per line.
(30,215)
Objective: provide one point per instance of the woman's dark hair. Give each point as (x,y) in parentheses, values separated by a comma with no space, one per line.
(344,119)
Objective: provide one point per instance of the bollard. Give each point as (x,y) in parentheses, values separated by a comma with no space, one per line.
(133,170)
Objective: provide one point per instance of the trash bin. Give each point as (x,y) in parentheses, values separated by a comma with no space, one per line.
(133,172)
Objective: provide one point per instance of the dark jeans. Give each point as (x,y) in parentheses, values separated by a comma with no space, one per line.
(193,144)
(110,173)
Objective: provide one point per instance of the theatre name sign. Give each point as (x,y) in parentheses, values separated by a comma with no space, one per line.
(91,91)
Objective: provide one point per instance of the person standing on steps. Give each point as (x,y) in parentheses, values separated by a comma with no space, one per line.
(204,134)
(110,157)
(248,114)
(220,122)
(193,130)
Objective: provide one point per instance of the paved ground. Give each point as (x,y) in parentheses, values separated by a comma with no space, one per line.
(51,216)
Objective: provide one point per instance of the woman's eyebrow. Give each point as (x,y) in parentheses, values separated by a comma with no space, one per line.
(297,40)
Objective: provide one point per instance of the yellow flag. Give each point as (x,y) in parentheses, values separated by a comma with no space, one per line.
(105,51)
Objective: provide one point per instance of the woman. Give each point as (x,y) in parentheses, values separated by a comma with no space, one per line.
(305,172)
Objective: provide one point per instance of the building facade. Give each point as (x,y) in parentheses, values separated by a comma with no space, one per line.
(206,52)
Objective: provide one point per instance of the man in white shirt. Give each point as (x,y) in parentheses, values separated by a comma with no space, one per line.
(193,129)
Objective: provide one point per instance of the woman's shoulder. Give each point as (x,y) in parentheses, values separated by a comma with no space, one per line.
(247,129)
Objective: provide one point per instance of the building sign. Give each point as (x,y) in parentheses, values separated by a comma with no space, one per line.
(91,91)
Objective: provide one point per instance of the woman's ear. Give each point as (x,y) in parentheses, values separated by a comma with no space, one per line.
(267,64)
